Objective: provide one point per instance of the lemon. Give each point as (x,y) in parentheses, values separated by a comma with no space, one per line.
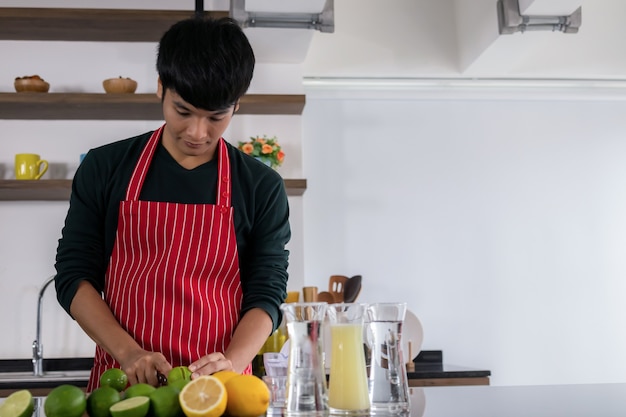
(203,397)
(178,373)
(136,390)
(114,377)
(100,400)
(164,402)
(18,404)
(225,375)
(65,401)
(131,407)
(248,396)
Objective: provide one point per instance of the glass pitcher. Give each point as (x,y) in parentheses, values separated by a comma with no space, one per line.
(387,379)
(347,388)
(307,391)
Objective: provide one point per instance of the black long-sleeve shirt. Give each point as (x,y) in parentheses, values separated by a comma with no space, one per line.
(261,216)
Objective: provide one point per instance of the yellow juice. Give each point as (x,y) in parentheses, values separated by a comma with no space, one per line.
(347,389)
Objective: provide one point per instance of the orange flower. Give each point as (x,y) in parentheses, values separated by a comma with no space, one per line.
(264,148)
(247,148)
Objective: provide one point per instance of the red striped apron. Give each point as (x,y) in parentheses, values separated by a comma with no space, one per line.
(173,277)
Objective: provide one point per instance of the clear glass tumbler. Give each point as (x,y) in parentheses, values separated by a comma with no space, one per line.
(347,387)
(387,380)
(278,389)
(307,392)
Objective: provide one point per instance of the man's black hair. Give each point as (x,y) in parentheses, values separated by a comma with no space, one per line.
(208,62)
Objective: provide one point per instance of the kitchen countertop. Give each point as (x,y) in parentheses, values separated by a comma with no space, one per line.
(574,400)
(601,400)
(430,370)
(17,373)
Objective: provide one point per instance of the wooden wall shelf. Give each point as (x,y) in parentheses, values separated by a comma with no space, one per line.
(93,25)
(59,190)
(103,25)
(70,106)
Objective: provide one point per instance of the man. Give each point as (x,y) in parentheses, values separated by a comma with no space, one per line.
(173,249)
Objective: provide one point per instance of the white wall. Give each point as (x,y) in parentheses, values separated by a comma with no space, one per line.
(499,220)
(494,208)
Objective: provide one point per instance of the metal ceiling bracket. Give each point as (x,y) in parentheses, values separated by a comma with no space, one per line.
(510,20)
(199,10)
(323,21)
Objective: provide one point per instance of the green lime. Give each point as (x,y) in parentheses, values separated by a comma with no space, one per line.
(140,389)
(65,401)
(178,385)
(178,373)
(164,402)
(131,407)
(18,404)
(100,400)
(114,377)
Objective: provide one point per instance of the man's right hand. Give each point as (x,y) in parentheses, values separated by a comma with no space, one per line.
(144,366)
(95,317)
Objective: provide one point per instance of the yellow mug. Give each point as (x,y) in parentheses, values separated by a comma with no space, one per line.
(29,166)
(292,297)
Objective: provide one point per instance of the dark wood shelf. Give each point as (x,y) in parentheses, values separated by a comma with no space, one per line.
(93,25)
(103,25)
(59,190)
(94,106)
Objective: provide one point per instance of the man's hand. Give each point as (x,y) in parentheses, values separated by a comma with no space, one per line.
(210,364)
(251,333)
(97,320)
(144,366)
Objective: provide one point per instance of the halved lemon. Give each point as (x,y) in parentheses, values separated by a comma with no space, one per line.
(204,396)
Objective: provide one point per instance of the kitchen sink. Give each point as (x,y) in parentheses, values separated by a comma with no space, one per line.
(54,376)
(18,374)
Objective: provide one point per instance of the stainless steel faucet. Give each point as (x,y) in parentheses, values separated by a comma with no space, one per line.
(37,345)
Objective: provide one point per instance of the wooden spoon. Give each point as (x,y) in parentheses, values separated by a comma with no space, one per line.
(352,289)
(325,296)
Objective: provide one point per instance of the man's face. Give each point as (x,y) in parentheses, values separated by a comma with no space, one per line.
(191,134)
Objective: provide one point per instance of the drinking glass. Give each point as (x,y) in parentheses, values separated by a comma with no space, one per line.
(278,388)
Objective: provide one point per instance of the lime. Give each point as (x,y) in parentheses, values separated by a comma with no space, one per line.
(131,407)
(100,400)
(136,390)
(65,401)
(164,402)
(18,404)
(178,373)
(114,377)
(178,385)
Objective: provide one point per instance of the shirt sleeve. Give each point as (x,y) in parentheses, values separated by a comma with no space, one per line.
(264,268)
(80,252)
